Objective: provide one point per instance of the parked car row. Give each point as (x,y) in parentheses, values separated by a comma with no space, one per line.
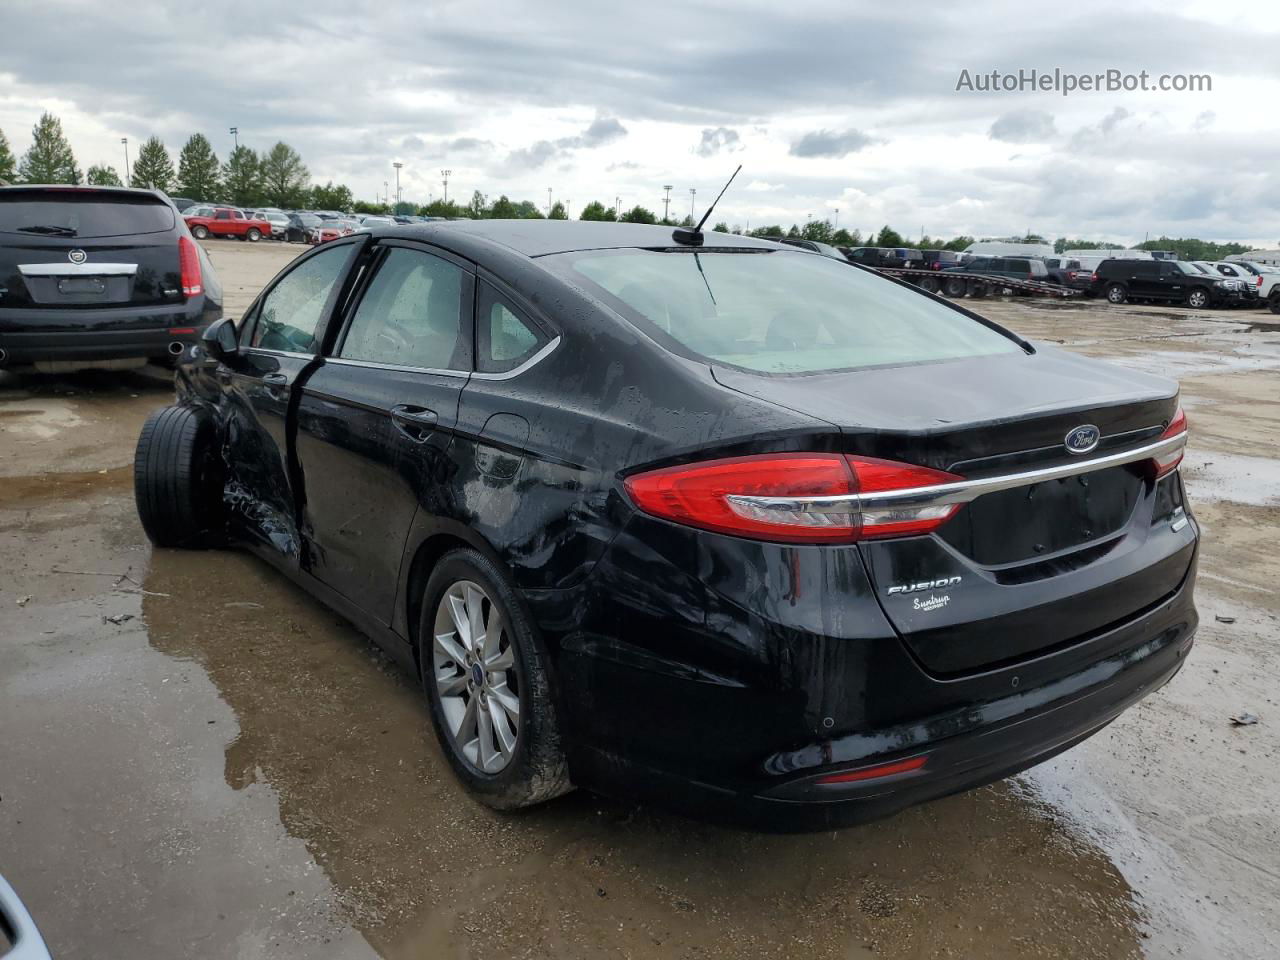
(291,226)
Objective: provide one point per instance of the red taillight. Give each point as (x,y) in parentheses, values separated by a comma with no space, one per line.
(1259,283)
(880,770)
(1166,463)
(189,262)
(1093,278)
(791,497)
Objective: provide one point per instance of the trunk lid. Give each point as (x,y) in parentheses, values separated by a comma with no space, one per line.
(1020,571)
(73,247)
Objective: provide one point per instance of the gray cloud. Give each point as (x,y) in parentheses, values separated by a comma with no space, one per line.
(717,139)
(602,130)
(1204,120)
(829,143)
(1023,126)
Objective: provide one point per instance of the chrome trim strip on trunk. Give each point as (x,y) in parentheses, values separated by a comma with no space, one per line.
(963,491)
(77,269)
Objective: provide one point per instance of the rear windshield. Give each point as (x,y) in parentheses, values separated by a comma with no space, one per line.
(781,312)
(88,214)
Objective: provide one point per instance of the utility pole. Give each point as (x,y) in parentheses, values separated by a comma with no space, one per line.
(235,133)
(444,175)
(693,193)
(397,164)
(125,141)
(666,202)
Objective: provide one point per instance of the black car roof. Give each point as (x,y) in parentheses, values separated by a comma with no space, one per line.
(538,238)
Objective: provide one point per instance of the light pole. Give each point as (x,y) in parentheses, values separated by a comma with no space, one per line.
(836,225)
(666,202)
(386,193)
(125,141)
(397,164)
(235,133)
(617,207)
(548,201)
(693,193)
(444,175)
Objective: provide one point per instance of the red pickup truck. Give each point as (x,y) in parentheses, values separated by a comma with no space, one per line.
(225,222)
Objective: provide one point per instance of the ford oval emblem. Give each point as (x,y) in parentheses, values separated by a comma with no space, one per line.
(77,256)
(1083,438)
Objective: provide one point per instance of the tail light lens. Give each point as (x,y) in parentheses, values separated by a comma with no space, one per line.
(1093,278)
(189,263)
(791,498)
(1166,463)
(1258,284)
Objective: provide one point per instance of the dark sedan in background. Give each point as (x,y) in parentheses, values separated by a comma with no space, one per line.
(99,276)
(695,518)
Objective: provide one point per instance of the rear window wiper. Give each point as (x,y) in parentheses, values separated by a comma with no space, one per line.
(49,228)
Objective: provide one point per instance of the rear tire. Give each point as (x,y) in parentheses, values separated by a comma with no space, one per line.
(929,284)
(534,768)
(178,478)
(254,235)
(1116,293)
(955,287)
(978,289)
(200,231)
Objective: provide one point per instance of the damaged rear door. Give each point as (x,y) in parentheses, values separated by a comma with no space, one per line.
(279,344)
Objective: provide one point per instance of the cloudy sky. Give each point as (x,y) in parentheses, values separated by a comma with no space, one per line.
(827,107)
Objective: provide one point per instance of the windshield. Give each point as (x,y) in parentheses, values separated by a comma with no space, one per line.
(781,312)
(68,213)
(1185,267)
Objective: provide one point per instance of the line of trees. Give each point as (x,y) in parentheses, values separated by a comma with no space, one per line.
(278,177)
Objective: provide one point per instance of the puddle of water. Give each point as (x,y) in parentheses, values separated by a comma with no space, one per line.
(1211,475)
(342,737)
(38,419)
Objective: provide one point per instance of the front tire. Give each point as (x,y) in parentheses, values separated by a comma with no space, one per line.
(929,285)
(178,478)
(955,288)
(486,678)
(1116,293)
(1198,298)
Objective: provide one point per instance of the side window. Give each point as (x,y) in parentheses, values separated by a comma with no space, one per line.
(504,339)
(290,314)
(223,215)
(411,315)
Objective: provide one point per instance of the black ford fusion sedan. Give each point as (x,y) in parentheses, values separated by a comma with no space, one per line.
(708,520)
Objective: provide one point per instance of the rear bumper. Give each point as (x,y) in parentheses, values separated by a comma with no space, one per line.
(675,696)
(961,749)
(27,336)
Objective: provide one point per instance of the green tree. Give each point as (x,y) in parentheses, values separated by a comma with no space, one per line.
(241,178)
(504,209)
(477,209)
(49,160)
(100,176)
(285,178)
(338,197)
(888,237)
(439,208)
(721,227)
(8,166)
(820,231)
(198,170)
(557,212)
(357,206)
(770,231)
(528,210)
(154,167)
(959,243)
(595,210)
(843,238)
(638,214)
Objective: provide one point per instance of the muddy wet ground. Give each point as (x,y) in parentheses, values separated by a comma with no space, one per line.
(196,759)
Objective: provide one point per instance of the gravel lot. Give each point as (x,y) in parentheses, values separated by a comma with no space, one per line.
(200,761)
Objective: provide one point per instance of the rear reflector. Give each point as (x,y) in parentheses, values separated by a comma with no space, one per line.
(181,331)
(880,770)
(1166,463)
(189,263)
(791,497)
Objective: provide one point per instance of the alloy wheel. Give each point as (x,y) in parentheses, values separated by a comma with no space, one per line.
(473,666)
